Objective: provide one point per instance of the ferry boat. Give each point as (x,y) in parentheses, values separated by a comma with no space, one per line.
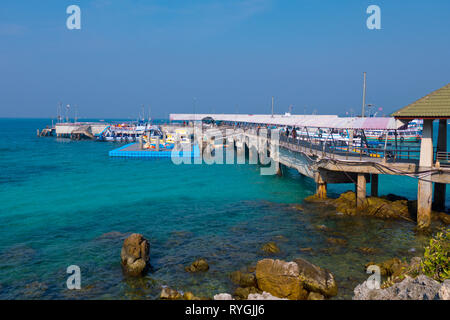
(122,132)
(413,133)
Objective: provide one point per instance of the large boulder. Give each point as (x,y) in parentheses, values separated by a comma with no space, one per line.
(316,279)
(135,255)
(419,288)
(280,279)
(385,208)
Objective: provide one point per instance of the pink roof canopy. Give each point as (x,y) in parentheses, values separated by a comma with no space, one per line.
(314,121)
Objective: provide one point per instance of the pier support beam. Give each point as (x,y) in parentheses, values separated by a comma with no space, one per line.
(321,186)
(361,190)
(425,187)
(440,188)
(279,169)
(374,185)
(424,191)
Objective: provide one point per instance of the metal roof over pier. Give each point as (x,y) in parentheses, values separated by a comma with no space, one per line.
(313,121)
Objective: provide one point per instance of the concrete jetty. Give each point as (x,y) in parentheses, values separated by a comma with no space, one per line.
(79,130)
(325,163)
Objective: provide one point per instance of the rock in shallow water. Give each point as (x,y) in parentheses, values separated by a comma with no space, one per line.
(280,279)
(243,293)
(135,255)
(170,294)
(337,241)
(293,280)
(243,279)
(316,279)
(270,248)
(200,265)
(420,288)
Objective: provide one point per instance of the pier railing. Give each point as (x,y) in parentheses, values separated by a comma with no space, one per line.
(443,158)
(327,146)
(335,149)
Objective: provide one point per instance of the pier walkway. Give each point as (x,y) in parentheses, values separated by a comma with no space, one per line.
(328,161)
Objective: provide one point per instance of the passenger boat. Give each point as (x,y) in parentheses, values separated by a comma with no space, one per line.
(122,132)
(413,133)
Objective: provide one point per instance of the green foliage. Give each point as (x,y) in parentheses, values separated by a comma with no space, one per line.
(435,262)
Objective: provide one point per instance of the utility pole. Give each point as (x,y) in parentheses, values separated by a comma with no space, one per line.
(272,106)
(59,112)
(67,112)
(364,97)
(194,105)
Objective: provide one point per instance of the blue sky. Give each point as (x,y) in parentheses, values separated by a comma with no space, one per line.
(229,55)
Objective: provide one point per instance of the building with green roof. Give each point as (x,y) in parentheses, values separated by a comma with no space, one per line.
(433,106)
(436,105)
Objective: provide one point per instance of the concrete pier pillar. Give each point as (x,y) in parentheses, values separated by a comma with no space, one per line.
(374,185)
(425,188)
(424,191)
(361,190)
(440,188)
(321,187)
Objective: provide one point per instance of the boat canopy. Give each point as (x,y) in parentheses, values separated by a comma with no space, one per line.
(313,121)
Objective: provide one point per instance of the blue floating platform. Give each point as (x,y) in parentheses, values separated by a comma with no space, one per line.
(132,150)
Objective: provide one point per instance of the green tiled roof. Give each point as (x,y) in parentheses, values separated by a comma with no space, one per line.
(436,104)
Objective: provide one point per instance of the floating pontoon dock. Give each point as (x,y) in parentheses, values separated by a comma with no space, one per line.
(133,150)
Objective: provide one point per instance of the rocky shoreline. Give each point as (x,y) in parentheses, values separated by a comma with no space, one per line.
(385,207)
(273,280)
(405,281)
(299,279)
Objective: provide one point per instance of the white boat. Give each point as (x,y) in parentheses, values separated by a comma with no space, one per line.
(123,132)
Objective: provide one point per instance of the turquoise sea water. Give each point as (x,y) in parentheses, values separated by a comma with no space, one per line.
(67,203)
